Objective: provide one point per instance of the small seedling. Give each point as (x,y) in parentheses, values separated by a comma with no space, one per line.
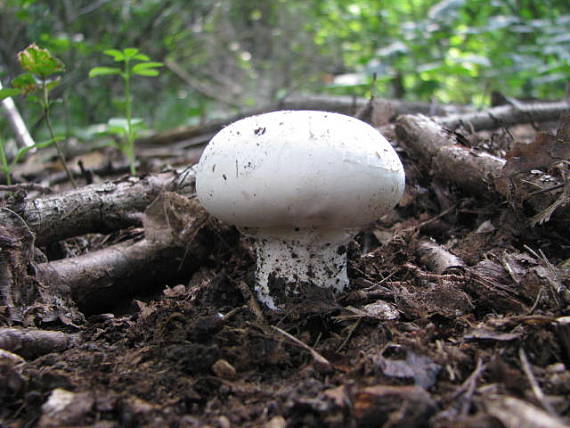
(127,128)
(6,167)
(41,75)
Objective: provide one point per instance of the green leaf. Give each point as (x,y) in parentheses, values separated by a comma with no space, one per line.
(144,65)
(39,61)
(40,145)
(116,54)
(25,83)
(117,130)
(149,72)
(147,68)
(122,123)
(130,53)
(141,57)
(103,71)
(118,126)
(52,84)
(118,122)
(9,92)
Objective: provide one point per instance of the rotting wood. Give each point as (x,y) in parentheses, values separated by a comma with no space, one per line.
(97,208)
(506,115)
(31,343)
(475,171)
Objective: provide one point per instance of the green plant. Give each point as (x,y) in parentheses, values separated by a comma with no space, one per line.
(6,166)
(41,76)
(127,128)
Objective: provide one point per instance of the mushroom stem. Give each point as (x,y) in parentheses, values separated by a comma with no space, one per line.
(289,260)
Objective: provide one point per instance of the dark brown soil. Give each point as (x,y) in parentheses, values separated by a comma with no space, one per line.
(484,344)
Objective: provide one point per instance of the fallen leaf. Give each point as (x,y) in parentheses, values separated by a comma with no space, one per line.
(421,368)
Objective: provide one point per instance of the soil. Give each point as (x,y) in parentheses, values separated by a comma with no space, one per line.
(483,343)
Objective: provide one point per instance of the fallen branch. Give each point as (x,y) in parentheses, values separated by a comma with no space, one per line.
(201,134)
(475,171)
(352,105)
(31,343)
(506,115)
(99,279)
(438,153)
(169,253)
(98,208)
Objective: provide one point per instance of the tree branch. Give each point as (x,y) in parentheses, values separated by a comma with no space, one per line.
(98,208)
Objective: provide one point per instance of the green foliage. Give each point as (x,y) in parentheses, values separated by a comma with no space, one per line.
(450,50)
(6,167)
(42,75)
(129,127)
(235,54)
(39,62)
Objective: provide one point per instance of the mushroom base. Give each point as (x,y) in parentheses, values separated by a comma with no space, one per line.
(289,262)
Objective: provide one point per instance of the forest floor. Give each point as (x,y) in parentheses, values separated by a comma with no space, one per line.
(457,315)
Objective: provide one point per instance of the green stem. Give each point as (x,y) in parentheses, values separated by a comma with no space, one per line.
(130,146)
(4,164)
(60,154)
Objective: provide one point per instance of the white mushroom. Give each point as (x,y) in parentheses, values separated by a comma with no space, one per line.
(302,184)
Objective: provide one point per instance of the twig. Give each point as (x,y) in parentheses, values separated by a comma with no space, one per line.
(468,387)
(251,301)
(507,115)
(539,395)
(349,335)
(322,361)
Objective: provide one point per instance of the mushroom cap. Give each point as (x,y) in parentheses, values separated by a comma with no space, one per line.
(288,169)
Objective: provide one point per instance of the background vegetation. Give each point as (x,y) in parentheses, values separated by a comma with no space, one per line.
(223,55)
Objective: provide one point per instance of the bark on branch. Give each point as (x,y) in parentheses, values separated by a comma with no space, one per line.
(506,115)
(438,152)
(174,246)
(97,208)
(99,279)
